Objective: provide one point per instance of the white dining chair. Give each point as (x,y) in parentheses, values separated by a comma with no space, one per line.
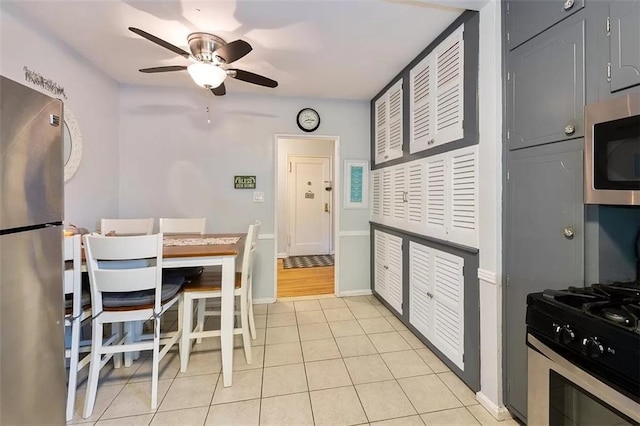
(209,286)
(127,226)
(122,293)
(191,225)
(77,310)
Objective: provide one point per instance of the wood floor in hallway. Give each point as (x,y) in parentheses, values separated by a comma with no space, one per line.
(295,282)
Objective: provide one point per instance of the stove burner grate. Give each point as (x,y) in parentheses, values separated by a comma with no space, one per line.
(616,315)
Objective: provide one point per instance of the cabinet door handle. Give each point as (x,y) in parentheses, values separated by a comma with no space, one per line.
(429,295)
(569,129)
(385,267)
(568,4)
(431,141)
(405,194)
(568,232)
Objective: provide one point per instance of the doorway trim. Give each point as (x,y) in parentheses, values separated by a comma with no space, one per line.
(336,206)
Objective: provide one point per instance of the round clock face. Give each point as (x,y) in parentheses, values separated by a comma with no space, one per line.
(308,119)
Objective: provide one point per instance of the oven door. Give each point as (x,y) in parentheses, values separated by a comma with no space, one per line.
(560,393)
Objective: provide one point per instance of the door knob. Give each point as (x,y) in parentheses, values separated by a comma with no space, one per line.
(568,232)
(568,4)
(569,129)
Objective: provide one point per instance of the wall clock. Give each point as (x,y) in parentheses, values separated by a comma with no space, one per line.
(308,119)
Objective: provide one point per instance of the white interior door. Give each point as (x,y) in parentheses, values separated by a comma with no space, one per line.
(310,208)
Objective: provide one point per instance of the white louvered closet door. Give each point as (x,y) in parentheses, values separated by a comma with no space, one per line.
(394,149)
(399,196)
(416,190)
(421,288)
(448,88)
(394,272)
(448,306)
(436,187)
(386,181)
(420,106)
(381,129)
(463,171)
(380,263)
(376,196)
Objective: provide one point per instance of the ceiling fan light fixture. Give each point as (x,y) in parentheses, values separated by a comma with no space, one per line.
(206,75)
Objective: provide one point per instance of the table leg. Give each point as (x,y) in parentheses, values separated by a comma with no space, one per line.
(227,318)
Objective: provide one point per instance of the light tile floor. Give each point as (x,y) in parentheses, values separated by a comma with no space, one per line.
(329,361)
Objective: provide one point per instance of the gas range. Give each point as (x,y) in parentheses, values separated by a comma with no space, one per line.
(596,328)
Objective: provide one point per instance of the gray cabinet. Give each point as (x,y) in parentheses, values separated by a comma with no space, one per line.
(526,18)
(546,87)
(624,39)
(544,243)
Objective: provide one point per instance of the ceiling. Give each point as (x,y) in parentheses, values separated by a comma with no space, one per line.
(347,49)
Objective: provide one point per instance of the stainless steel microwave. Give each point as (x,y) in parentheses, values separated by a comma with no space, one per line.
(612,151)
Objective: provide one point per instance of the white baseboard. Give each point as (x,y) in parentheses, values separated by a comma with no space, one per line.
(354,293)
(282,255)
(265,300)
(500,413)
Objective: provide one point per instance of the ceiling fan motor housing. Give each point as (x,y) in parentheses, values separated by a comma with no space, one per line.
(203,46)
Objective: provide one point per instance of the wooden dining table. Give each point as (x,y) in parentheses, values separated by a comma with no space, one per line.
(198,252)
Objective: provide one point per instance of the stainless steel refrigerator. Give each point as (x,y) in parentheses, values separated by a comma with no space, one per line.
(32,363)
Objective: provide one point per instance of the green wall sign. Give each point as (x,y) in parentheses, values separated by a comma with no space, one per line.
(244,182)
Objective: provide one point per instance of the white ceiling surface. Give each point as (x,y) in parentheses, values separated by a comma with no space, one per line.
(347,49)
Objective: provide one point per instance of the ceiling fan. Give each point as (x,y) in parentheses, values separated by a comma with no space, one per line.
(209,53)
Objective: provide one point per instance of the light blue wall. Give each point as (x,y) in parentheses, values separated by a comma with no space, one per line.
(174,163)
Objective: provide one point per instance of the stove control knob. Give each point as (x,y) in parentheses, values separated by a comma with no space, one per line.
(592,348)
(564,334)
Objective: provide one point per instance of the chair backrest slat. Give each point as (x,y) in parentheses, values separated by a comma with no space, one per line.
(192,225)
(73,272)
(127,226)
(123,264)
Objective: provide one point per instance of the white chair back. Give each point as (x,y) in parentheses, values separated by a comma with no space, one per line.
(141,269)
(192,225)
(249,254)
(73,265)
(127,226)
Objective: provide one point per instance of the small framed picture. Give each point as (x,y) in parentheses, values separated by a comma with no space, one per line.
(356,184)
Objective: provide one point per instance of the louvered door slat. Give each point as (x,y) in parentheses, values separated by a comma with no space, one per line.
(420,100)
(448,307)
(464,196)
(381,129)
(376,196)
(420,287)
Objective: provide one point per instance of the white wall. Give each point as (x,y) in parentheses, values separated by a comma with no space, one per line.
(287,147)
(490,270)
(92,193)
(174,163)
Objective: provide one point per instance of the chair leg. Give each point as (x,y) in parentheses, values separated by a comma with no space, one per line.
(94,368)
(187,328)
(202,305)
(129,337)
(244,323)
(156,363)
(252,321)
(117,329)
(180,326)
(73,368)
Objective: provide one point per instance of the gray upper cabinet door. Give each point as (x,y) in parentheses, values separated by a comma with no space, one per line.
(625,44)
(546,89)
(526,18)
(545,245)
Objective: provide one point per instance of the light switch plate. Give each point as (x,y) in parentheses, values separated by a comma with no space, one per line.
(258,197)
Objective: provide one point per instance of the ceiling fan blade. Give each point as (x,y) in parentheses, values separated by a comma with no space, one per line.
(160,42)
(233,51)
(219,91)
(164,69)
(250,77)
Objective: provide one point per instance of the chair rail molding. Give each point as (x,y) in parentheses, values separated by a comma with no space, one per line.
(487,276)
